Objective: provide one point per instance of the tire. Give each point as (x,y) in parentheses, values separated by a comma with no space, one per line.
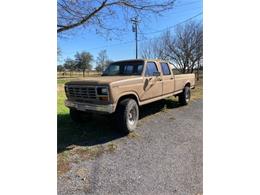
(127,115)
(184,97)
(78,116)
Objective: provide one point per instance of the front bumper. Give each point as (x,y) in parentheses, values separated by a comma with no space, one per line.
(86,107)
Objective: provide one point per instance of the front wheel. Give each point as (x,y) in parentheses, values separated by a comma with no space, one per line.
(127,115)
(184,97)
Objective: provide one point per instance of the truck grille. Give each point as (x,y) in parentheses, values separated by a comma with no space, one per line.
(81,92)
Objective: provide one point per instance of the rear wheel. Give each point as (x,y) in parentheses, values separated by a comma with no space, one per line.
(127,115)
(184,97)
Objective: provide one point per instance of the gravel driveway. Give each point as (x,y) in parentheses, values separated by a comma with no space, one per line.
(163,156)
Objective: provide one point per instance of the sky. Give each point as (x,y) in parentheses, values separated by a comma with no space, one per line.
(124,46)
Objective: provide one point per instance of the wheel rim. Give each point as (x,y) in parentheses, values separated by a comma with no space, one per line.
(132,115)
(188,96)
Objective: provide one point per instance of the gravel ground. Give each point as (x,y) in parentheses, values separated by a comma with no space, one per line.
(163,156)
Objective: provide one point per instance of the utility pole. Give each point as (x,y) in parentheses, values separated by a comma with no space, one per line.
(135,22)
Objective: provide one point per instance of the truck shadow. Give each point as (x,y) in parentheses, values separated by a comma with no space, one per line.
(157,106)
(101,129)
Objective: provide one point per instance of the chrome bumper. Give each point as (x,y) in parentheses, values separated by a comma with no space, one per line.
(90,107)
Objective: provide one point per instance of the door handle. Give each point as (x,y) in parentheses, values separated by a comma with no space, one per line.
(159,79)
(171,78)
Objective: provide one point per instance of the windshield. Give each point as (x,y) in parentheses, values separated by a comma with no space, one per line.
(124,68)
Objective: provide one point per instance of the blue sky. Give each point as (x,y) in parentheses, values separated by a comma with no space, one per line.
(125,47)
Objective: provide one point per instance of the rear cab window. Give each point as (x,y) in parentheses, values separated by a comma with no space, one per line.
(165,68)
(151,67)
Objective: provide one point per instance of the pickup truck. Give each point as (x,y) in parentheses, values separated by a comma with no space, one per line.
(125,86)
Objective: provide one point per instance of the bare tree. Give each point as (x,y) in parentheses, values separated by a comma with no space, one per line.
(184,48)
(101,14)
(102,61)
(153,49)
(199,68)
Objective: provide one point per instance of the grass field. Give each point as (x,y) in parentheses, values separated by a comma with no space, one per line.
(75,139)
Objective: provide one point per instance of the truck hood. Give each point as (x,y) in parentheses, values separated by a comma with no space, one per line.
(103,80)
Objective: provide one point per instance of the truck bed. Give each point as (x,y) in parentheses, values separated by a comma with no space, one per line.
(182,79)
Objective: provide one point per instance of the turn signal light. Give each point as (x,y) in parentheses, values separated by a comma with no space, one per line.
(103,98)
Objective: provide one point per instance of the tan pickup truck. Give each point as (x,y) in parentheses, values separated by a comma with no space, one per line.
(124,87)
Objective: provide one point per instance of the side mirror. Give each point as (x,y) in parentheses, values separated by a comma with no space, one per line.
(157,74)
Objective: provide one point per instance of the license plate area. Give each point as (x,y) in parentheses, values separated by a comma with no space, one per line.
(80,107)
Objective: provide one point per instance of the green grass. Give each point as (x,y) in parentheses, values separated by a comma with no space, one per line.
(61,108)
(62,81)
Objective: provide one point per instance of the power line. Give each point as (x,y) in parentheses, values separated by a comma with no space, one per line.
(169,27)
(112,45)
(154,32)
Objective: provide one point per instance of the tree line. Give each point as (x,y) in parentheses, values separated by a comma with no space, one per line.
(83,61)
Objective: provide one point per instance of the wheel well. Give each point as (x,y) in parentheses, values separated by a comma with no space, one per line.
(131,96)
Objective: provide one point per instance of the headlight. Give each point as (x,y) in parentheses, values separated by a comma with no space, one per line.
(102,91)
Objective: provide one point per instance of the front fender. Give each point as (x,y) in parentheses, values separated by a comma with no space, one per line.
(129,93)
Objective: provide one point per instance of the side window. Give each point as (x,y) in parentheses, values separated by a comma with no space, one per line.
(165,69)
(129,69)
(140,69)
(150,69)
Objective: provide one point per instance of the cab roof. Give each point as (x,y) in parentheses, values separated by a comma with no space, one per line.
(142,59)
